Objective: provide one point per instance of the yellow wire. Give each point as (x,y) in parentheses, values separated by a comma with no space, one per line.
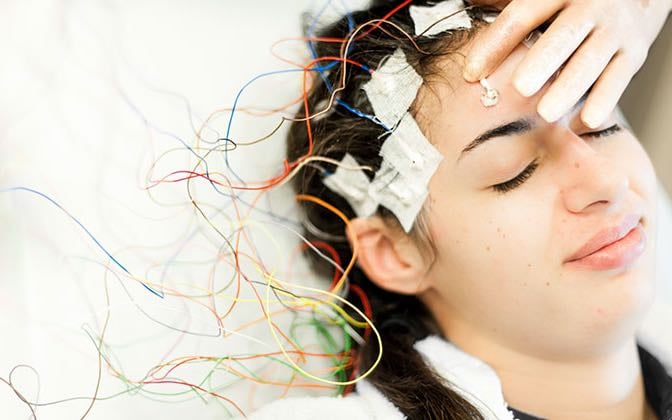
(304,372)
(332,294)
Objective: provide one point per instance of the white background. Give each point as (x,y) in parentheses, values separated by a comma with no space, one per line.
(90,94)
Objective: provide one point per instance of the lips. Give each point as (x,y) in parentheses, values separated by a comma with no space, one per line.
(607,236)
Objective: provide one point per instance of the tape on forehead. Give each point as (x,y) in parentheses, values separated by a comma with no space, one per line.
(410,153)
(402,196)
(393,88)
(409,160)
(429,20)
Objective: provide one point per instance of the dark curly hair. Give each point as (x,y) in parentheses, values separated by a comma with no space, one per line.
(402,375)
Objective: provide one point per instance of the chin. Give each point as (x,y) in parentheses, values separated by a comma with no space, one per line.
(623,301)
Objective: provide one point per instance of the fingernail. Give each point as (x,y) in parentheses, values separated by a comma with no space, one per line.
(591,118)
(526,86)
(472,70)
(549,111)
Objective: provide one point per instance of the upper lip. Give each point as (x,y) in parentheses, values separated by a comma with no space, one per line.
(607,236)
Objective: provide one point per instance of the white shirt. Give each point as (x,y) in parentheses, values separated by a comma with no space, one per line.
(472,378)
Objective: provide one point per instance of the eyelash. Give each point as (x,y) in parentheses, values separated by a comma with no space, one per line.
(527,172)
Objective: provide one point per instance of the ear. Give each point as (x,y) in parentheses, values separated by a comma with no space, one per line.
(389,257)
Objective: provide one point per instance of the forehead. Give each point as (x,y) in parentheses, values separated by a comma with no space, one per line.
(450,107)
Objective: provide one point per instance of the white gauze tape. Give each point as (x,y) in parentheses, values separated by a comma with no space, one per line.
(353,185)
(425,16)
(409,159)
(410,153)
(392,88)
(403,197)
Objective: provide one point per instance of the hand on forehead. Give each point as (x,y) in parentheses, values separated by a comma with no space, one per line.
(464,99)
(599,43)
(502,79)
(451,108)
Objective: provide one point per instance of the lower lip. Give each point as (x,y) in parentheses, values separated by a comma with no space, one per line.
(619,254)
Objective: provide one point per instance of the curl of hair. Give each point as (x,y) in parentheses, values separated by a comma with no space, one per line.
(402,376)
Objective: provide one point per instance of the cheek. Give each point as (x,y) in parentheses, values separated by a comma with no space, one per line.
(490,239)
(630,157)
(628,153)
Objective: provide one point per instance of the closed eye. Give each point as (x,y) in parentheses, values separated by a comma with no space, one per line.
(606,132)
(518,180)
(529,170)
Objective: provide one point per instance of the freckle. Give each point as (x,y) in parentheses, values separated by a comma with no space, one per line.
(600,311)
(548,283)
(529,265)
(577,165)
(524,283)
(487,248)
(499,230)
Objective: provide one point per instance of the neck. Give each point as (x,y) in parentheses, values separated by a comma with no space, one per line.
(609,386)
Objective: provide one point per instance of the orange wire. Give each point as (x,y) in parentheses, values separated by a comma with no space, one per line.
(344,218)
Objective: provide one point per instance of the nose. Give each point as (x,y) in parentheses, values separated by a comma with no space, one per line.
(591,182)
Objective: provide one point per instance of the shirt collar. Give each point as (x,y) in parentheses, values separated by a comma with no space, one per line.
(479,384)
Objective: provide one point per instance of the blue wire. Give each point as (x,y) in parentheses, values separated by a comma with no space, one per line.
(328,84)
(146,121)
(85,230)
(235,105)
(311,46)
(361,114)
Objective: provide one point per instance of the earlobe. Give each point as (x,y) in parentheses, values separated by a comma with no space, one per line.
(388,257)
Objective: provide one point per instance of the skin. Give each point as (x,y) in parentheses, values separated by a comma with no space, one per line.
(598,42)
(561,339)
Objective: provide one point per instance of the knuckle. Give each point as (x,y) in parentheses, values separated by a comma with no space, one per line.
(637,55)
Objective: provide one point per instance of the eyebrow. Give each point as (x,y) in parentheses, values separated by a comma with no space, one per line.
(517,127)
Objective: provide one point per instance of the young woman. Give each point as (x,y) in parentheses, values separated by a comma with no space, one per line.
(518,289)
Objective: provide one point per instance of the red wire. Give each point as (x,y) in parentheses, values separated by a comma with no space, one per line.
(387,16)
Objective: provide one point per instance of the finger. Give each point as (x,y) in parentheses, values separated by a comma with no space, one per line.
(551,51)
(610,86)
(578,75)
(494,43)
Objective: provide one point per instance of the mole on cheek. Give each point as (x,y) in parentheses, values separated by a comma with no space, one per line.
(577,165)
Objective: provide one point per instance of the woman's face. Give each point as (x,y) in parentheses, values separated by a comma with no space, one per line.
(501,272)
